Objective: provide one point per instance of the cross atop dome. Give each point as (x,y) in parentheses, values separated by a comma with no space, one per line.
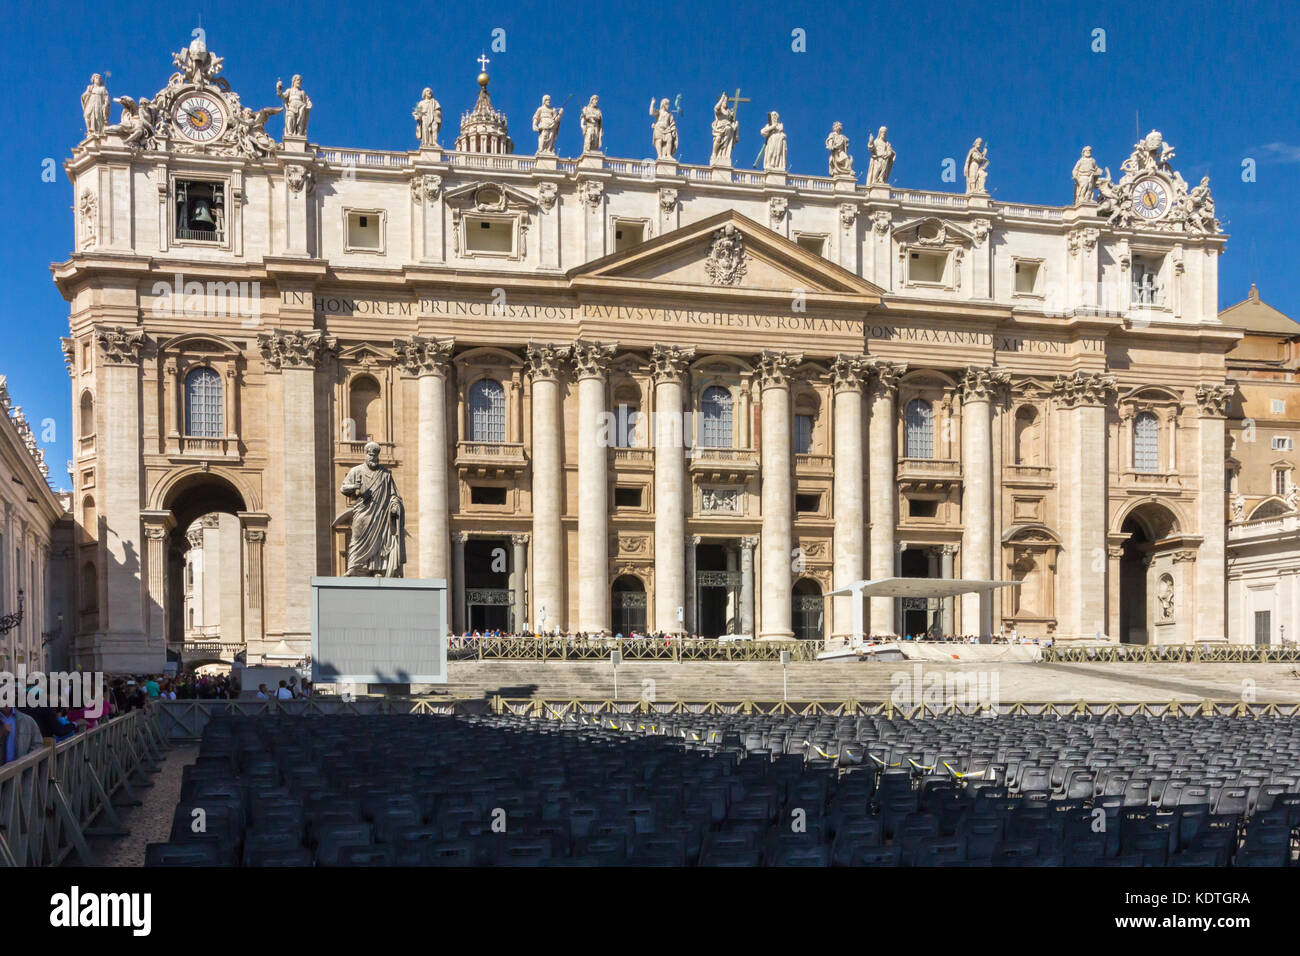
(484,128)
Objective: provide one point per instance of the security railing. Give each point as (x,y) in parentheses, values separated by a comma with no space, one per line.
(638,649)
(50,801)
(1172,653)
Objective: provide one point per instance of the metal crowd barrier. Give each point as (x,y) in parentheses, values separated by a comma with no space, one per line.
(640,649)
(50,801)
(1172,653)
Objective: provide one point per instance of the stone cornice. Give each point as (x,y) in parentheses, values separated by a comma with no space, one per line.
(296,350)
(421,355)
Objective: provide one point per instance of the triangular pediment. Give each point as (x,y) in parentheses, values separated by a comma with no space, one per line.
(726,254)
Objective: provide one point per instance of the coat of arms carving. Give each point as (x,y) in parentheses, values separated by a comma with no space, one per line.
(726,262)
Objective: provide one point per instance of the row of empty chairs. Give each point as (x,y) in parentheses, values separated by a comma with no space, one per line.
(739,790)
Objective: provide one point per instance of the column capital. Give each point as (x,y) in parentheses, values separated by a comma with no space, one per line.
(546,360)
(283,349)
(983,384)
(885,376)
(591,359)
(1212,400)
(748,543)
(1090,389)
(775,367)
(460,537)
(195,537)
(520,540)
(849,372)
(668,363)
(422,355)
(120,346)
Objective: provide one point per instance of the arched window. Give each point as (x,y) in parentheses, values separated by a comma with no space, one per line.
(487,411)
(203,404)
(1146,442)
(803,434)
(87,414)
(365,410)
(89,519)
(716,419)
(807,610)
(1027,450)
(918,429)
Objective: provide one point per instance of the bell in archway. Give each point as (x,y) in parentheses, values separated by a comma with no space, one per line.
(201,214)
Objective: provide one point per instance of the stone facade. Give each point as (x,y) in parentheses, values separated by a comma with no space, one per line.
(620,394)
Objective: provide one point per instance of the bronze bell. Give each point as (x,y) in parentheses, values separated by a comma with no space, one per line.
(201,215)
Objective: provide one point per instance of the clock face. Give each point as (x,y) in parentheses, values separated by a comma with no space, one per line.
(1150,199)
(199,117)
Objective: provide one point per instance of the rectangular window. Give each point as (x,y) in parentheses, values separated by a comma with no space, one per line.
(627,497)
(1147,289)
(922,508)
(628,234)
(365,232)
(490,236)
(807,503)
(814,244)
(1263,627)
(200,211)
(1282,443)
(1277,406)
(803,434)
(625,420)
(1027,277)
(1280,481)
(486,495)
(928,267)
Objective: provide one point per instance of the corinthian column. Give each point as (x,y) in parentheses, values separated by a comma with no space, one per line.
(1081,401)
(777,542)
(980,387)
(1212,403)
(430,359)
(669,365)
(590,360)
(545,365)
(884,494)
(848,372)
(295,355)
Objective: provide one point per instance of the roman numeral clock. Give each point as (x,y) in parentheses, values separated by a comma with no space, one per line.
(199,117)
(1150,199)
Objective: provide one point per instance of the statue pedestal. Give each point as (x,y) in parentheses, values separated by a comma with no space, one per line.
(878,191)
(666,169)
(294,144)
(544,162)
(431,154)
(592,161)
(720,173)
(774,177)
(845,184)
(978,201)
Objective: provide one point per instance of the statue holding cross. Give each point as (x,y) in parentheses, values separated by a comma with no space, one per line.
(726,128)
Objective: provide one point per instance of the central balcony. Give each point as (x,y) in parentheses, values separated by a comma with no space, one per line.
(723,464)
(490,459)
(928,474)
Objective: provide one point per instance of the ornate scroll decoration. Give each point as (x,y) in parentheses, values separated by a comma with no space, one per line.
(726,262)
(984,384)
(667,199)
(776,210)
(592,192)
(426,188)
(591,359)
(980,229)
(849,372)
(547,361)
(69,353)
(86,208)
(668,363)
(288,349)
(775,367)
(1152,194)
(881,221)
(120,346)
(546,196)
(1084,238)
(420,355)
(298,177)
(1083,389)
(848,214)
(1213,400)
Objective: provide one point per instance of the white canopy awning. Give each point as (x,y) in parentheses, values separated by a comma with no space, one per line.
(925,588)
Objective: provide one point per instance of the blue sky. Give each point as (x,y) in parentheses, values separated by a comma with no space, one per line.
(1220,80)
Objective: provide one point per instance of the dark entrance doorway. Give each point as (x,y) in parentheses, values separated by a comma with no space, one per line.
(717,590)
(920,615)
(809,612)
(627,605)
(1146,526)
(487,584)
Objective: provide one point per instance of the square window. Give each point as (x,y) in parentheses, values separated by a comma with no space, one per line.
(1277,406)
(487,495)
(928,267)
(814,244)
(365,231)
(807,503)
(1027,277)
(1147,287)
(628,234)
(200,211)
(922,508)
(1282,443)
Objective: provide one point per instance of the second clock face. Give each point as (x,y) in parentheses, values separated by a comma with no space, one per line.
(199,117)
(1150,199)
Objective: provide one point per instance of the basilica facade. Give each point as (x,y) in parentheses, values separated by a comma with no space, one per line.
(626,394)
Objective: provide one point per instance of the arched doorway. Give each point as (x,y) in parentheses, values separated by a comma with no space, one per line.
(1146,527)
(488,597)
(191,500)
(627,605)
(808,613)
